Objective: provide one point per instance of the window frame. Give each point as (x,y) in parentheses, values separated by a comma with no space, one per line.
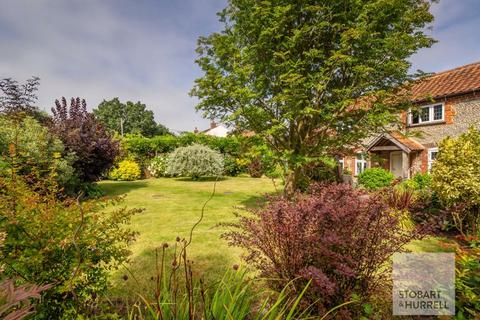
(430,160)
(431,112)
(363,160)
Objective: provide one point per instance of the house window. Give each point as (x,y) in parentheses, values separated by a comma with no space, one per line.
(360,163)
(432,155)
(428,114)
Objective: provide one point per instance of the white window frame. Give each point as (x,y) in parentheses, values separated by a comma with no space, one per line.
(431,109)
(430,160)
(363,161)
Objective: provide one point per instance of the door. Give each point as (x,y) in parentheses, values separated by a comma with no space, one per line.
(396,163)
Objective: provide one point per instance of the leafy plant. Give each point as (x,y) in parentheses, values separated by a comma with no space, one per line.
(36,152)
(195,161)
(456,179)
(69,244)
(337,237)
(232,167)
(375,178)
(126,170)
(158,166)
(94,148)
(467,282)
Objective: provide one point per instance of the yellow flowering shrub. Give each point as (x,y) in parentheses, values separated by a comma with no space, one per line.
(126,170)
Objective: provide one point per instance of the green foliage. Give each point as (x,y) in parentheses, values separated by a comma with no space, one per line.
(69,245)
(375,178)
(143,148)
(126,170)
(232,166)
(36,151)
(134,117)
(291,71)
(456,179)
(195,161)
(467,282)
(158,166)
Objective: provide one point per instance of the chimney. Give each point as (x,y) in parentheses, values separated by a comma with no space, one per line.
(213,124)
(196,130)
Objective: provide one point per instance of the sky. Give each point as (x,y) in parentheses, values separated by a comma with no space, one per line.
(144,50)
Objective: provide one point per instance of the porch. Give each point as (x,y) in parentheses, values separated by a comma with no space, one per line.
(396,153)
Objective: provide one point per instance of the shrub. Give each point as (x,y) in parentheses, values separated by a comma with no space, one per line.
(338,237)
(195,161)
(158,166)
(127,170)
(375,178)
(35,150)
(467,280)
(232,167)
(456,179)
(72,246)
(255,169)
(94,147)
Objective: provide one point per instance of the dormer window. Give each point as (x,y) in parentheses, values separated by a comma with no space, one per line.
(428,114)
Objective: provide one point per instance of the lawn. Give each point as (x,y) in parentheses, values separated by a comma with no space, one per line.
(172,206)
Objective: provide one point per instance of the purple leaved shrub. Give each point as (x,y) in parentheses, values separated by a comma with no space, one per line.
(339,238)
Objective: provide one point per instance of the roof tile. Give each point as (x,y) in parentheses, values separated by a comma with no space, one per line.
(453,82)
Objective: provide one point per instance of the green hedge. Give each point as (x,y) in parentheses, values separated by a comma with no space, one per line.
(146,148)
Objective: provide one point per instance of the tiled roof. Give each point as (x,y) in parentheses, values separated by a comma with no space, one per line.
(453,82)
(409,143)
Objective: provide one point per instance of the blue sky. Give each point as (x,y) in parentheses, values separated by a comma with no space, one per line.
(145,50)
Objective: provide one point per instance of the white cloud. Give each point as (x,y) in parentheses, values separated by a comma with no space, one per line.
(94,50)
(144,50)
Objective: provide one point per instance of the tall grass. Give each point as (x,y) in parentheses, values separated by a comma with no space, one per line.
(178,295)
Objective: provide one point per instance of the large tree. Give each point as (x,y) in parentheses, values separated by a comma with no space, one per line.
(128,117)
(310,76)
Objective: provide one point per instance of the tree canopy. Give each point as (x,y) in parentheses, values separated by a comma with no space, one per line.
(310,76)
(134,117)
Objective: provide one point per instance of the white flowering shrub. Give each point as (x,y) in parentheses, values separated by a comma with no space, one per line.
(195,161)
(158,166)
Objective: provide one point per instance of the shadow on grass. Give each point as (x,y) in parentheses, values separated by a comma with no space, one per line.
(257,201)
(117,188)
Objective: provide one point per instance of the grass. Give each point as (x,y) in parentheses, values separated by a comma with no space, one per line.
(172,206)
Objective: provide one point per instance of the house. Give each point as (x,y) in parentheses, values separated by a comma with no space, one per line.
(215,129)
(449,103)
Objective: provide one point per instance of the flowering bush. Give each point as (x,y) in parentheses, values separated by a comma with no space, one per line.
(375,178)
(158,166)
(339,237)
(195,161)
(127,170)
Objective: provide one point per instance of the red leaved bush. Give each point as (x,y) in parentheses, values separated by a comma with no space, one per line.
(94,147)
(338,237)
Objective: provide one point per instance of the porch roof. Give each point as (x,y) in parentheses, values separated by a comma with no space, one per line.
(395,140)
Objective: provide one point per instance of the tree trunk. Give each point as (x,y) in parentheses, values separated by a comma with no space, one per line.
(292,182)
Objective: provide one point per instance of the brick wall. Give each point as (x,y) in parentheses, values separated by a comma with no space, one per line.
(460,113)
